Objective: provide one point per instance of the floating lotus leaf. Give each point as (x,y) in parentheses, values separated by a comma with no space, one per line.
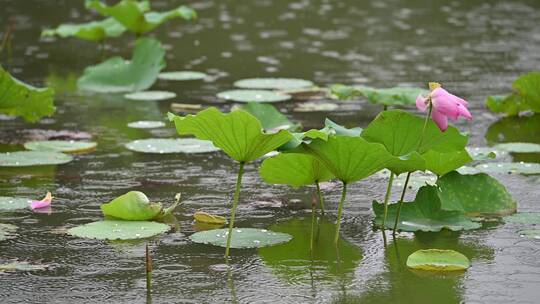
(204,217)
(424,214)
(132,206)
(7,231)
(92,31)
(21,266)
(26,101)
(146,124)
(485,153)
(438,260)
(273,83)
(13,203)
(271,119)
(461,193)
(400,132)
(66,146)
(136,17)
(316,107)
(530,233)
(531,218)
(170,145)
(150,95)
(296,263)
(518,147)
(293,169)
(388,96)
(253,96)
(239,134)
(33,158)
(519,168)
(118,75)
(182,75)
(241,238)
(118,230)
(349,158)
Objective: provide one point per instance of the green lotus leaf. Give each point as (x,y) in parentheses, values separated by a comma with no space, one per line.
(241,238)
(438,260)
(117,75)
(514,129)
(150,95)
(26,101)
(239,134)
(461,193)
(253,96)
(33,158)
(7,231)
(293,169)
(21,266)
(338,129)
(66,146)
(146,124)
(171,145)
(531,218)
(484,153)
(519,168)
(530,233)
(132,206)
(424,214)
(511,104)
(400,132)
(388,96)
(119,230)
(349,158)
(519,147)
(295,262)
(525,96)
(8,203)
(136,17)
(271,119)
(92,31)
(182,75)
(273,83)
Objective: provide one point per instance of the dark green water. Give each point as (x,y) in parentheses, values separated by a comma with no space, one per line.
(474,48)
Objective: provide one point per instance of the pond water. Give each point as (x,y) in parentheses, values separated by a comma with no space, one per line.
(475,48)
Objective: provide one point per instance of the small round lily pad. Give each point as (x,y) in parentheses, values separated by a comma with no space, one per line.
(253,96)
(33,158)
(524,218)
(438,260)
(171,145)
(530,233)
(119,230)
(241,237)
(13,203)
(519,147)
(273,83)
(7,231)
(150,95)
(146,124)
(316,107)
(66,146)
(521,168)
(182,75)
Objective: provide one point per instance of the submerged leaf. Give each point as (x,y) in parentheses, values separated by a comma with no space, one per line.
(7,231)
(117,75)
(438,260)
(461,193)
(293,169)
(118,230)
(424,214)
(136,17)
(132,206)
(239,134)
(241,238)
(26,101)
(92,31)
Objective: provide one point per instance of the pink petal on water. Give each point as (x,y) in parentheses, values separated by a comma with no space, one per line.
(46,201)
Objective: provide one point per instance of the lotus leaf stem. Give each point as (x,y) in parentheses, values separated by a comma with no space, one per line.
(386,198)
(233,208)
(321,198)
(340,210)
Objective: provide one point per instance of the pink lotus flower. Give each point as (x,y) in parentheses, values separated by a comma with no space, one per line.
(45,202)
(445,105)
